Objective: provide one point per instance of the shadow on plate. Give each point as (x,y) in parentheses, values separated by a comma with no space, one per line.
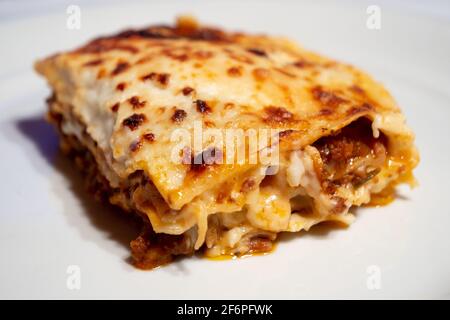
(107,218)
(42,134)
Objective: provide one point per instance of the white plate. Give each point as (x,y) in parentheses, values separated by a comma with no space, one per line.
(49,223)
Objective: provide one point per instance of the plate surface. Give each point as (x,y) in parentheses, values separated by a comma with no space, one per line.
(51,231)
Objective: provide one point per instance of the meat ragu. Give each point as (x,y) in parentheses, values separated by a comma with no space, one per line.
(352,156)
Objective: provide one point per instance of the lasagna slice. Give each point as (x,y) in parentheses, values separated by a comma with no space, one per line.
(219,141)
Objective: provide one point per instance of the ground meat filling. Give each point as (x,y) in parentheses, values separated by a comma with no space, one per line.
(151,250)
(352,156)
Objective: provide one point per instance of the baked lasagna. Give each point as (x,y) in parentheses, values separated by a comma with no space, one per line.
(148,114)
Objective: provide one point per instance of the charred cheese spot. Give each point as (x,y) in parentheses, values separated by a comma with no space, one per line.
(150,137)
(234,71)
(181,30)
(202,106)
(257,52)
(121,86)
(106,44)
(120,67)
(161,78)
(187,91)
(149,76)
(327,98)
(179,115)
(155,32)
(277,115)
(136,103)
(115,107)
(167,32)
(134,121)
